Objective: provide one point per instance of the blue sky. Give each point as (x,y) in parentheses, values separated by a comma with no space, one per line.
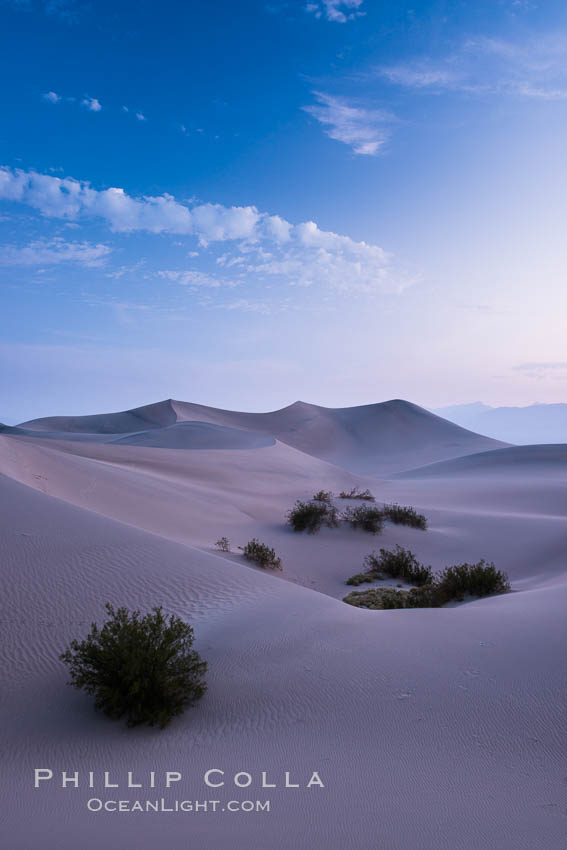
(245,204)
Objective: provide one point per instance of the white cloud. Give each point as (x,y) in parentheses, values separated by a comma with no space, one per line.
(364,130)
(44,252)
(339,11)
(317,257)
(194,278)
(278,228)
(71,199)
(138,115)
(535,69)
(273,249)
(537,92)
(92,104)
(523,5)
(215,223)
(420,76)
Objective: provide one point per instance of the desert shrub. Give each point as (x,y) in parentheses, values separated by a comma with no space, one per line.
(369,519)
(426,596)
(223,543)
(355,493)
(401,515)
(364,599)
(323,496)
(332,517)
(262,555)
(388,598)
(377,598)
(399,563)
(361,578)
(140,667)
(310,516)
(480,579)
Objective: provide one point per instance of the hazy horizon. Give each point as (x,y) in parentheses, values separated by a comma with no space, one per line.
(258,408)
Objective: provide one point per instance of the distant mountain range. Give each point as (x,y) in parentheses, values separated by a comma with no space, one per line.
(537,423)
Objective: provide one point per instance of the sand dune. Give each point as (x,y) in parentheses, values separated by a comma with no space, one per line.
(197,497)
(10,429)
(409,716)
(431,728)
(376,439)
(538,461)
(197,435)
(128,421)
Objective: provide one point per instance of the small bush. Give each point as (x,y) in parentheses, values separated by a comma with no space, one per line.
(399,563)
(377,598)
(361,578)
(310,516)
(369,519)
(323,496)
(223,543)
(262,555)
(355,493)
(480,579)
(388,598)
(142,668)
(401,515)
(426,596)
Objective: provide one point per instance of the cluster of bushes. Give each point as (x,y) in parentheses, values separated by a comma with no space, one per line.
(140,668)
(402,515)
(319,511)
(431,591)
(364,517)
(262,555)
(355,493)
(386,598)
(310,516)
(397,563)
(479,579)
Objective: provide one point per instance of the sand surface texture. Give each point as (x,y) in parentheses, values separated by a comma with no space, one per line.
(439,729)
